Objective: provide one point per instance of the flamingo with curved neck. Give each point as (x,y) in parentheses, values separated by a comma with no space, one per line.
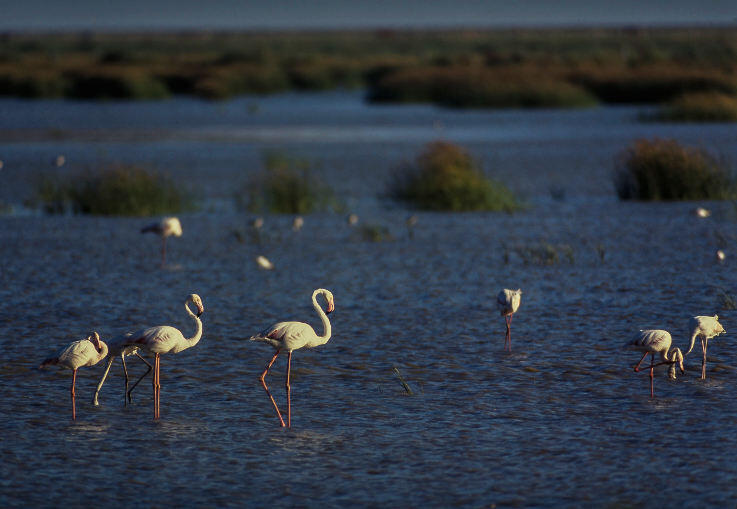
(656,341)
(706,327)
(291,336)
(166,339)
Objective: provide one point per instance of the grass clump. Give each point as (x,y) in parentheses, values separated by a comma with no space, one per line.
(115,191)
(286,185)
(542,253)
(701,107)
(445,177)
(661,169)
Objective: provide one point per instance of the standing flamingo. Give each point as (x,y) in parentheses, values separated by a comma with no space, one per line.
(292,336)
(656,342)
(508,303)
(166,227)
(166,339)
(85,352)
(117,347)
(707,327)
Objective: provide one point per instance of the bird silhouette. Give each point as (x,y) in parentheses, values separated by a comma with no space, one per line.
(705,327)
(291,336)
(85,352)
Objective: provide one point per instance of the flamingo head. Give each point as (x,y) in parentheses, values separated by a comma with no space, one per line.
(676,359)
(718,329)
(195,299)
(331,302)
(94,338)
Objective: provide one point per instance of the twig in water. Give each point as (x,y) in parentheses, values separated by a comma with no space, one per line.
(402,381)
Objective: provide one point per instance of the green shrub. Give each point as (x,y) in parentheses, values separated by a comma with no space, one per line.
(115,191)
(701,107)
(665,170)
(286,186)
(118,84)
(445,177)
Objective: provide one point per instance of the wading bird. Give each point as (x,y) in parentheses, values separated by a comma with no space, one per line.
(264,263)
(508,303)
(85,352)
(298,223)
(166,227)
(656,342)
(166,339)
(117,347)
(706,327)
(291,336)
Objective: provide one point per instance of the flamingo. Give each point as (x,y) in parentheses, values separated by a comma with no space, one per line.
(85,352)
(707,327)
(117,347)
(264,262)
(508,303)
(298,223)
(291,336)
(166,339)
(166,227)
(656,341)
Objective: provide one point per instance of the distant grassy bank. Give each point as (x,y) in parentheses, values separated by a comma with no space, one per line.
(463,68)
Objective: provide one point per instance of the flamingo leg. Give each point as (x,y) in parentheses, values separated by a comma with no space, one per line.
(704,344)
(263,383)
(652,371)
(74,405)
(125,372)
(509,331)
(289,390)
(637,366)
(130,400)
(104,377)
(157,386)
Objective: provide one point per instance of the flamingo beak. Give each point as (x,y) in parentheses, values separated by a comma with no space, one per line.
(683,371)
(200,310)
(331,307)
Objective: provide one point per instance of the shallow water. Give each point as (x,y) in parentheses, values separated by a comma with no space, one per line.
(560,421)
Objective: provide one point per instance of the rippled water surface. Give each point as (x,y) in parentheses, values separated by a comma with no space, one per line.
(561,421)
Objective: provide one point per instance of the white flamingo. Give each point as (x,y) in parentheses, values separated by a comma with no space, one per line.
(166,339)
(291,336)
(706,327)
(298,223)
(85,352)
(117,347)
(656,341)
(508,303)
(167,227)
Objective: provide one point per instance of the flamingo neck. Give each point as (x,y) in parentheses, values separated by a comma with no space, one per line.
(693,340)
(321,340)
(198,328)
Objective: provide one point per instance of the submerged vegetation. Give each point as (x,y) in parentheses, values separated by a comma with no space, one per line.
(113,191)
(458,68)
(661,169)
(445,177)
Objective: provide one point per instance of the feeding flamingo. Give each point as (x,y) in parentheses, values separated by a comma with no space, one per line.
(166,339)
(291,336)
(85,352)
(707,327)
(508,303)
(117,347)
(165,228)
(656,342)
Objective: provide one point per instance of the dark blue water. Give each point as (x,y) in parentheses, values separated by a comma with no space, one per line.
(561,421)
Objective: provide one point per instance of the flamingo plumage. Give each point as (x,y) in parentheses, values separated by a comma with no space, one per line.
(292,336)
(705,327)
(118,348)
(508,303)
(656,342)
(85,352)
(166,339)
(167,227)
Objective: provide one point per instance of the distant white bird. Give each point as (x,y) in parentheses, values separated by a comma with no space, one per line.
(298,223)
(264,263)
(291,336)
(85,352)
(166,339)
(167,227)
(258,223)
(705,327)
(720,255)
(352,219)
(117,347)
(656,341)
(59,161)
(508,303)
(701,212)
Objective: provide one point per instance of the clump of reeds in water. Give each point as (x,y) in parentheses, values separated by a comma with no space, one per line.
(114,191)
(727,301)
(445,177)
(287,185)
(701,107)
(662,169)
(541,253)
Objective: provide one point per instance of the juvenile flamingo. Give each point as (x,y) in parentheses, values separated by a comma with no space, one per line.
(656,342)
(167,227)
(707,327)
(166,339)
(291,336)
(508,303)
(117,347)
(85,352)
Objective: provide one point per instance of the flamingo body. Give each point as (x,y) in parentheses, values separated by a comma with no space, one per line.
(656,342)
(706,327)
(167,227)
(508,302)
(292,336)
